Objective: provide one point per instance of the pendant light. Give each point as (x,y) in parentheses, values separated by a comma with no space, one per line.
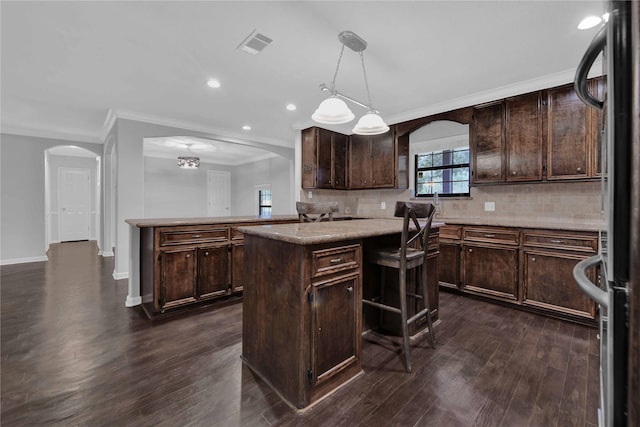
(334,110)
(189,161)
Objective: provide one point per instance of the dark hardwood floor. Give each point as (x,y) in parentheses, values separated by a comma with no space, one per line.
(73,354)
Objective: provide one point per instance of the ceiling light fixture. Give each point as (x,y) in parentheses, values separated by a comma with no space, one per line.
(291,107)
(246,127)
(334,110)
(214,83)
(589,22)
(189,161)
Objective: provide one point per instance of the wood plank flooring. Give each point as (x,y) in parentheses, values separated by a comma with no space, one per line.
(74,355)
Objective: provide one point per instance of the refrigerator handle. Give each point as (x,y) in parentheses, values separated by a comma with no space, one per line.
(580,82)
(588,287)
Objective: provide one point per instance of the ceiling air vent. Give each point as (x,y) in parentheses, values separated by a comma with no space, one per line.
(254,43)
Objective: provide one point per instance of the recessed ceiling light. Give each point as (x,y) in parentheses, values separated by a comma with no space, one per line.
(291,107)
(214,83)
(589,22)
(246,127)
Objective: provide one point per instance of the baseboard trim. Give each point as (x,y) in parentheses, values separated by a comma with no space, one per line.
(120,276)
(107,253)
(23,260)
(132,301)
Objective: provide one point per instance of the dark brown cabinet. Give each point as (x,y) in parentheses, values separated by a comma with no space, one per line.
(548,261)
(487,136)
(334,337)
(570,138)
(324,159)
(177,277)
(372,161)
(449,258)
(523,137)
(213,271)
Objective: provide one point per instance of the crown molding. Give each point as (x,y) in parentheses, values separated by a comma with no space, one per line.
(51,133)
(189,126)
(538,83)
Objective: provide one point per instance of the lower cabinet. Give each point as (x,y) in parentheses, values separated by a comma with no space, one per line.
(531,268)
(237,266)
(491,270)
(547,270)
(177,277)
(213,271)
(334,335)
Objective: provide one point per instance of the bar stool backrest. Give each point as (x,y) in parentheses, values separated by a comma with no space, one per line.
(321,210)
(412,214)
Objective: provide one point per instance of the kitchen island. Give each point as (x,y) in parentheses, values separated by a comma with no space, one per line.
(302,309)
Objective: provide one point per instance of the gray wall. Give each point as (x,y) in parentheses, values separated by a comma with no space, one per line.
(274,171)
(22,210)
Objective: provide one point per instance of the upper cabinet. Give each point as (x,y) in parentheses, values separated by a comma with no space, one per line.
(372,161)
(487,139)
(324,159)
(523,137)
(544,135)
(337,161)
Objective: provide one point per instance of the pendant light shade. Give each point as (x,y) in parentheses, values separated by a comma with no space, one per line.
(189,161)
(370,124)
(333,111)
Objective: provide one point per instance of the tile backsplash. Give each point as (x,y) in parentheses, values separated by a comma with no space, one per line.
(574,202)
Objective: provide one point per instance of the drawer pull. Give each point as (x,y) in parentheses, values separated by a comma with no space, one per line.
(188,256)
(557,241)
(514,173)
(350,289)
(489,235)
(336,261)
(533,260)
(578,169)
(470,250)
(206,254)
(196,236)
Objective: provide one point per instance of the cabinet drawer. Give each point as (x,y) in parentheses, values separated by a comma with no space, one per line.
(328,261)
(451,232)
(579,243)
(237,234)
(189,236)
(492,235)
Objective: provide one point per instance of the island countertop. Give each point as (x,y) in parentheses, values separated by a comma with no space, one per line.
(330,231)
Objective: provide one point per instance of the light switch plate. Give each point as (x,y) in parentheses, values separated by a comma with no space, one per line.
(310,194)
(489,206)
(383,205)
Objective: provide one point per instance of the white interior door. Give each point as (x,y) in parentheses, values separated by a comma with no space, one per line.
(74,192)
(218,189)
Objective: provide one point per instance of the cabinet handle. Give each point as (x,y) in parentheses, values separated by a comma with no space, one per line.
(374,181)
(188,256)
(196,236)
(514,173)
(336,260)
(489,235)
(533,260)
(206,254)
(350,289)
(557,241)
(495,174)
(329,182)
(578,169)
(470,250)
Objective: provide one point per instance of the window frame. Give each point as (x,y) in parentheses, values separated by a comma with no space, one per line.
(447,169)
(261,204)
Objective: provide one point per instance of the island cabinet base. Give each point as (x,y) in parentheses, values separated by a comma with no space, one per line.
(302,316)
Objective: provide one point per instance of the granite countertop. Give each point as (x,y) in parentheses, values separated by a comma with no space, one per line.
(159,222)
(526,223)
(325,232)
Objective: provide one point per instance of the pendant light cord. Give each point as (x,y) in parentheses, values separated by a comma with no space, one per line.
(366,83)
(333,82)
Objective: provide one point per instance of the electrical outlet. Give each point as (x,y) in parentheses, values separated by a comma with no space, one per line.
(310,194)
(383,205)
(489,206)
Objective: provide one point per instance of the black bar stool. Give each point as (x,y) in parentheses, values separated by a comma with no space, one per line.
(411,254)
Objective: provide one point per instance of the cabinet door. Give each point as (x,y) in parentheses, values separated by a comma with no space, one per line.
(359,162)
(325,159)
(237,267)
(335,327)
(491,271)
(382,161)
(340,144)
(487,144)
(177,277)
(309,157)
(597,128)
(449,264)
(568,137)
(549,283)
(523,138)
(213,271)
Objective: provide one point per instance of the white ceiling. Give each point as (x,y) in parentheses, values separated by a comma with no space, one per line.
(65,65)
